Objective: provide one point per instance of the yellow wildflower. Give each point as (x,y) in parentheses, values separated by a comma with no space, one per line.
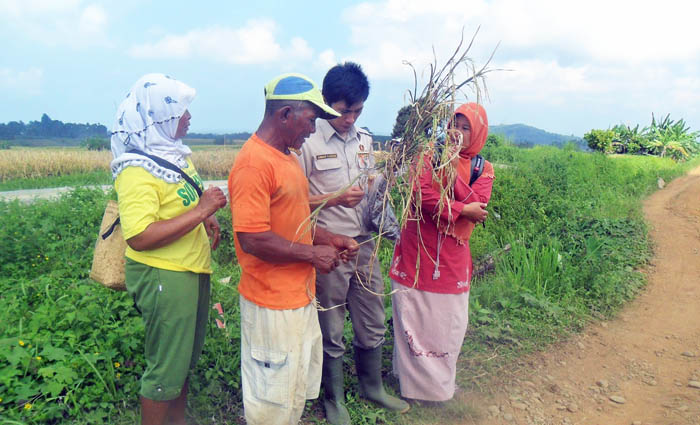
(21,343)
(27,406)
(117,364)
(38,357)
(119,375)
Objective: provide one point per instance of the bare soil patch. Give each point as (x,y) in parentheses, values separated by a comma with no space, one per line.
(642,367)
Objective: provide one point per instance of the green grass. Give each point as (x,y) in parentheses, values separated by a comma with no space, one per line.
(45,142)
(574,220)
(69,180)
(204,144)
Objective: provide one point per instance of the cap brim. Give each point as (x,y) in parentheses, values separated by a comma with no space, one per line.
(325,111)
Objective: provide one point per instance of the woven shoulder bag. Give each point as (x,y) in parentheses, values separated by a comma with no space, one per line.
(108,261)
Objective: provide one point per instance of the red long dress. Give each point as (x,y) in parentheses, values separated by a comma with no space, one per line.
(431,271)
(438,252)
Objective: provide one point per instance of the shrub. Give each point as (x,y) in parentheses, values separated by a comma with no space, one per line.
(672,138)
(496,140)
(71,351)
(96,144)
(600,140)
(630,140)
(662,138)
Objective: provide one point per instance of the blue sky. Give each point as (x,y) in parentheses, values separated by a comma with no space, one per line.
(572,66)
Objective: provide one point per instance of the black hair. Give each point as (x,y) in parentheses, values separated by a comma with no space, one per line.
(345,82)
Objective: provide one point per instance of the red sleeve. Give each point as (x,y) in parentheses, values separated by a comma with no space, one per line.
(430,197)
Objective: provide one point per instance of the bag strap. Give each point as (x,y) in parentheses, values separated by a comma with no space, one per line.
(163,163)
(477,164)
(109,231)
(170,166)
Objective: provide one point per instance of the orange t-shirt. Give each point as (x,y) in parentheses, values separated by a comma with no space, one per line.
(269,192)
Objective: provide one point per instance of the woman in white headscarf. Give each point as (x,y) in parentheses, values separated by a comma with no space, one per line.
(167,219)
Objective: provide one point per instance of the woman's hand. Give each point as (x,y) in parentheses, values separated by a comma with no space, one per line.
(475,211)
(212,199)
(161,233)
(211,224)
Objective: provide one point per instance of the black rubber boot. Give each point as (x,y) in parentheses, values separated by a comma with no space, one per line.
(369,372)
(333,392)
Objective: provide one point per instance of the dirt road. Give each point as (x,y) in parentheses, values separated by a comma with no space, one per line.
(641,368)
(28,195)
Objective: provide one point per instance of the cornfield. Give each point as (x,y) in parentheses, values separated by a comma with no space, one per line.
(18,163)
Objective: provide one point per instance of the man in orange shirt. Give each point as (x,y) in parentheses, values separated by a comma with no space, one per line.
(279,250)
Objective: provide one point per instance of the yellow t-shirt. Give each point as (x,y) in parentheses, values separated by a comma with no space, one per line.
(145,199)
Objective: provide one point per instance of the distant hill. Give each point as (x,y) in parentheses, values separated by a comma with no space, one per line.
(525,135)
(520,134)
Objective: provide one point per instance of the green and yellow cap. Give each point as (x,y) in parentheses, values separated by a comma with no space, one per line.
(298,87)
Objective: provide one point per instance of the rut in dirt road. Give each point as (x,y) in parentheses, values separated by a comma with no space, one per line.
(641,368)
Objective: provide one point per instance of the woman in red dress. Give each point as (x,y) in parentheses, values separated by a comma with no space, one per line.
(432,268)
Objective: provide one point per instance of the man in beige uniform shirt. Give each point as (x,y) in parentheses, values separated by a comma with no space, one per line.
(336,155)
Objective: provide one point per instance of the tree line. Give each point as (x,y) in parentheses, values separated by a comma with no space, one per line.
(49,128)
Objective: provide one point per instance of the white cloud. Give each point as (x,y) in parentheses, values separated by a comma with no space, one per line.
(301,49)
(686,93)
(19,8)
(27,82)
(254,43)
(70,22)
(553,83)
(628,33)
(92,20)
(618,31)
(621,55)
(326,59)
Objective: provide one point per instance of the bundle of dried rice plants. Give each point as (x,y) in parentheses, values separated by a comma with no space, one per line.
(425,136)
(427,140)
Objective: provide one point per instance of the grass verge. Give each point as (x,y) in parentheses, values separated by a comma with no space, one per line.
(71,351)
(68,180)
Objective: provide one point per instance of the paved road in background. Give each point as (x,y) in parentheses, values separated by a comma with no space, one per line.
(28,195)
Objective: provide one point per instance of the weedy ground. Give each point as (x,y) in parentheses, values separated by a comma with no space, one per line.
(71,350)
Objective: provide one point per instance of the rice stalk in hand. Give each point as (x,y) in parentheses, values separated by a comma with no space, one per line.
(427,140)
